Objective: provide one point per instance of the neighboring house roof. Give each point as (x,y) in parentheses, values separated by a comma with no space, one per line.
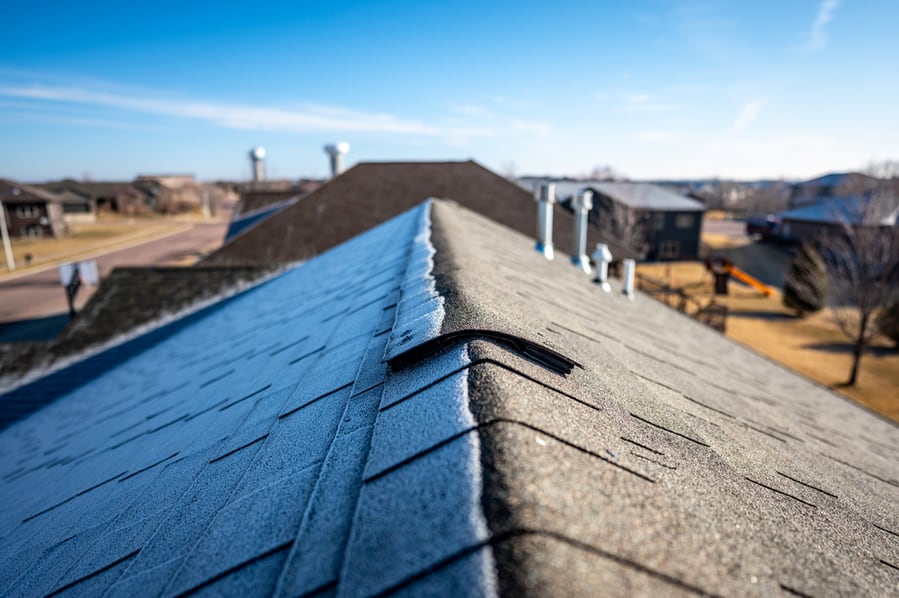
(14,192)
(244,220)
(90,189)
(640,196)
(431,420)
(67,193)
(370,193)
(836,178)
(839,210)
(254,201)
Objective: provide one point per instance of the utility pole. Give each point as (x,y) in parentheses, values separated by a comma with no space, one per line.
(7,247)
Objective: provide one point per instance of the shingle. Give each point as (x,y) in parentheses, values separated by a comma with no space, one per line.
(273,512)
(317,553)
(402,513)
(428,421)
(371,193)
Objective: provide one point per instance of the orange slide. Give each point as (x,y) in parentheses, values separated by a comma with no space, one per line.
(747,279)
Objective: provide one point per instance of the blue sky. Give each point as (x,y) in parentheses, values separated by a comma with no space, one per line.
(653,88)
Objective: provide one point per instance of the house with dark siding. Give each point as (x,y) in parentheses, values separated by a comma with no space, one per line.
(30,211)
(671,224)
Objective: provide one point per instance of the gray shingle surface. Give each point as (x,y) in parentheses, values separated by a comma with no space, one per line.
(429,420)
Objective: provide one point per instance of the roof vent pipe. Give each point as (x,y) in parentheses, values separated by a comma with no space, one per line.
(581,203)
(602,256)
(257,158)
(630,267)
(336,151)
(546,197)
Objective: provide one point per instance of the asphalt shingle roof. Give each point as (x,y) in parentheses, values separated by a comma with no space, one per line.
(371,192)
(838,210)
(640,196)
(428,419)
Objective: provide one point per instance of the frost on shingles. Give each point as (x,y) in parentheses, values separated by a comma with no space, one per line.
(48,364)
(420,311)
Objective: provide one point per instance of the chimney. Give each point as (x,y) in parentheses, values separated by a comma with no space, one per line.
(337,151)
(581,203)
(629,267)
(602,256)
(546,197)
(257,158)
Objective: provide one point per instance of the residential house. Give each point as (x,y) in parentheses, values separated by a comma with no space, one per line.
(813,223)
(105,196)
(79,205)
(413,413)
(832,185)
(259,200)
(171,193)
(372,192)
(669,224)
(31,211)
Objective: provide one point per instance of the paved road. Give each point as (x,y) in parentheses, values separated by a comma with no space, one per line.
(39,295)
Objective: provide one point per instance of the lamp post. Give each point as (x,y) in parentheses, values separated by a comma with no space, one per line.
(4,232)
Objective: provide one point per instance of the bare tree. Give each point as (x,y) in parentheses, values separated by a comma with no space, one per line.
(602,172)
(767,199)
(626,225)
(863,268)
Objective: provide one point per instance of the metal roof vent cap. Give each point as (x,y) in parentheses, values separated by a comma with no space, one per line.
(545,197)
(581,203)
(337,151)
(602,256)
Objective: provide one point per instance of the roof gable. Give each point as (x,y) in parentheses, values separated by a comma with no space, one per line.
(370,193)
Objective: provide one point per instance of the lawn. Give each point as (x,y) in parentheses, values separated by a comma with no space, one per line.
(84,239)
(813,346)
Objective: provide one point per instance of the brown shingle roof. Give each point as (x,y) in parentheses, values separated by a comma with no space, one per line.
(371,193)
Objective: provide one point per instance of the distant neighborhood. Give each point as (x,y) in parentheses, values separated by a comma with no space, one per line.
(659,220)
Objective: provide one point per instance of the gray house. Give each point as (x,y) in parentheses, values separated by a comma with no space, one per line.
(668,225)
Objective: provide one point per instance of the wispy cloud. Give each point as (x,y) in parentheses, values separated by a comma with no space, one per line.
(462,123)
(233,116)
(818,37)
(746,116)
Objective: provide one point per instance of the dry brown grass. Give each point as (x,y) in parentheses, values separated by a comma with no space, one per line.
(85,239)
(813,346)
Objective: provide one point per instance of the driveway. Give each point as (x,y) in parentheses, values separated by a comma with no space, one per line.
(767,262)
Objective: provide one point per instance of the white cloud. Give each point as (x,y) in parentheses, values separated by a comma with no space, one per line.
(746,116)
(818,37)
(462,124)
(233,116)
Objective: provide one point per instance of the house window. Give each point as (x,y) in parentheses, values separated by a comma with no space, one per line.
(684,221)
(34,230)
(27,211)
(658,221)
(669,250)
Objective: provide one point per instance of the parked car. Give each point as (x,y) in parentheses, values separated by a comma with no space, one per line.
(764,227)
